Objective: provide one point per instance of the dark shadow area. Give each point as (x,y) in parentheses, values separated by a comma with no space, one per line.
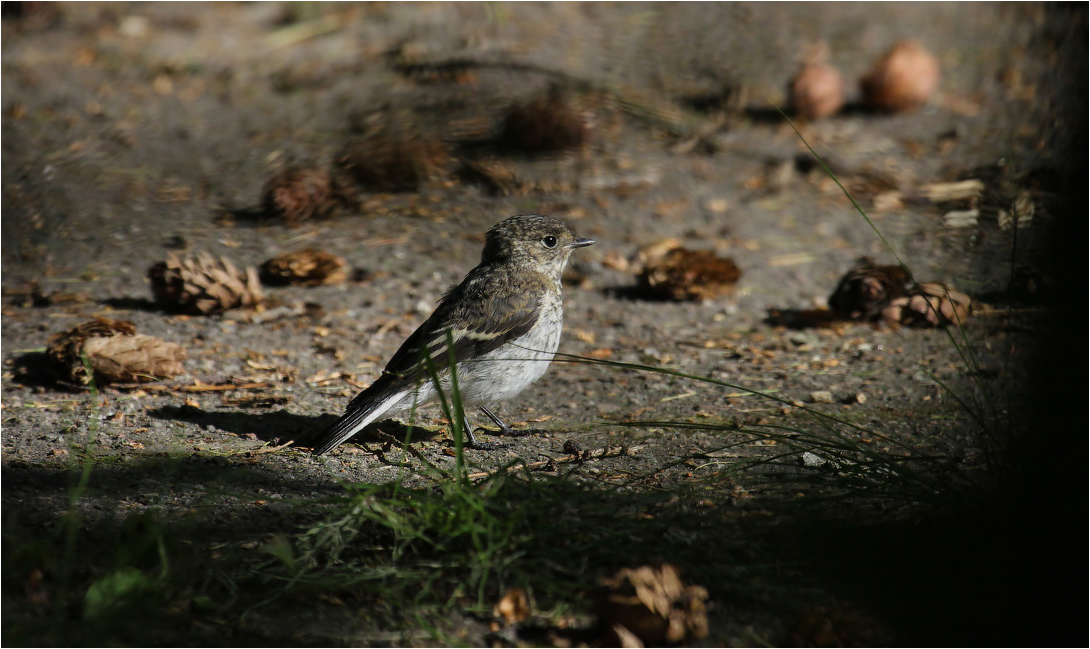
(138,304)
(281,426)
(38,369)
(278,426)
(804,318)
(635,293)
(254,216)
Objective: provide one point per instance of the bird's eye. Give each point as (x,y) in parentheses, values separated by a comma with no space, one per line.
(549,241)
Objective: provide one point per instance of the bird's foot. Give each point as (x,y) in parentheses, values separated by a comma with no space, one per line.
(505,430)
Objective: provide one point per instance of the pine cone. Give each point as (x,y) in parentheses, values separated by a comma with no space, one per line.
(546,123)
(392,162)
(114,352)
(932,304)
(203,284)
(308,267)
(682,274)
(867,289)
(299,194)
(651,603)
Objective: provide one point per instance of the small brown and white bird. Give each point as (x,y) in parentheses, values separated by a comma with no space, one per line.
(502,326)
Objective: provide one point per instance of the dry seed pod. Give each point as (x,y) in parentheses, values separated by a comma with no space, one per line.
(817,89)
(308,267)
(652,604)
(683,274)
(867,289)
(299,194)
(547,123)
(114,352)
(204,284)
(388,161)
(904,79)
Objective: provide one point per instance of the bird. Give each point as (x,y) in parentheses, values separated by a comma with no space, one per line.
(501,324)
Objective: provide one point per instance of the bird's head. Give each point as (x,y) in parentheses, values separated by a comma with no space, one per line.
(543,241)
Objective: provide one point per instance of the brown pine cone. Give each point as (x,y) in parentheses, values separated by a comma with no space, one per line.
(652,604)
(388,161)
(867,289)
(932,304)
(299,194)
(308,267)
(204,284)
(547,123)
(682,274)
(114,352)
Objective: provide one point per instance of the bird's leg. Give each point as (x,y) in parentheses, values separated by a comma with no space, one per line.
(471,441)
(504,429)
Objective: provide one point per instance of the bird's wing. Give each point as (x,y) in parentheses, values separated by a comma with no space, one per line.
(480,318)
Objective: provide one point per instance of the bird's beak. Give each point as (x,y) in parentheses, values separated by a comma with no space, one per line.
(582,243)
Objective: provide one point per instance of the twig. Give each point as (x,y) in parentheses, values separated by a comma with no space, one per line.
(583,456)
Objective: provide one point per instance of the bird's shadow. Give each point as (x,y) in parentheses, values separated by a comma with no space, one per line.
(281,426)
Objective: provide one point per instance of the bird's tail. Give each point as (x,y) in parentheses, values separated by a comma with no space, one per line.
(360,413)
